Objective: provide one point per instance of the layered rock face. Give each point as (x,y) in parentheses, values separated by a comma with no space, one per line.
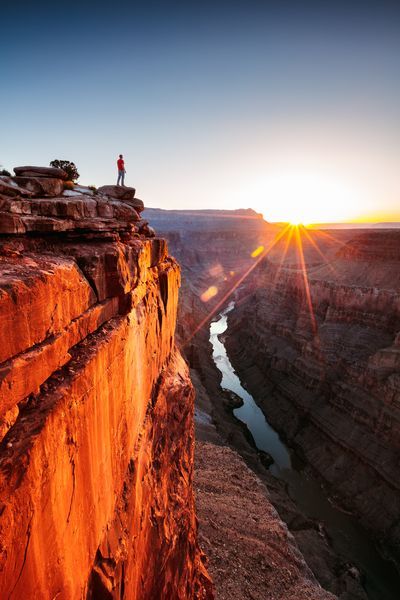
(96,457)
(34,203)
(323,361)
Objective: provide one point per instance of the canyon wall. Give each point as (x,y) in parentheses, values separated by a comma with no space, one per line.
(320,352)
(224,445)
(214,249)
(96,457)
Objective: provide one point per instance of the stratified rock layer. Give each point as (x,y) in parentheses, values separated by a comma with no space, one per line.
(96,406)
(35,203)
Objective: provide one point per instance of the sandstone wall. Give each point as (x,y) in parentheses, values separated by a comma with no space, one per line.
(96,457)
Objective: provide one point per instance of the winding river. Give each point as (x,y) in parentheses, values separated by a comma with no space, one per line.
(349,540)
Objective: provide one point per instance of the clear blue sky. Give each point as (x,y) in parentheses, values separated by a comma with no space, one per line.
(213,104)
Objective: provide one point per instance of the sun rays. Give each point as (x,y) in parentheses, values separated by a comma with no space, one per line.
(299,244)
(284,253)
(259,257)
(318,249)
(290,234)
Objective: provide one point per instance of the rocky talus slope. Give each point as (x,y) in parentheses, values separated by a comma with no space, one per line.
(251,552)
(96,404)
(331,383)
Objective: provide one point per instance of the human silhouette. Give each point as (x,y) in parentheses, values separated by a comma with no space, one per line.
(121,170)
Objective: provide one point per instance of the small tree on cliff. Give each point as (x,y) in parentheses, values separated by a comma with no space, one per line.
(4,172)
(68,167)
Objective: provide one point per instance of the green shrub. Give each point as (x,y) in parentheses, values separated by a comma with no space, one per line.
(5,173)
(67,166)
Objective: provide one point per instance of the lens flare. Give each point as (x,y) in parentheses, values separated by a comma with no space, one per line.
(288,234)
(209,293)
(257,251)
(225,297)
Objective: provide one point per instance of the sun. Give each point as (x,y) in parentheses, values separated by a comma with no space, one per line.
(303,197)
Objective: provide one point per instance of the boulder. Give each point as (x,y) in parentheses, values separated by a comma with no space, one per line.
(8,187)
(136,203)
(117,191)
(40,172)
(41,186)
(123,212)
(150,232)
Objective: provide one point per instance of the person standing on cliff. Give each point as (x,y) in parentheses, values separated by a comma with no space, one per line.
(121,170)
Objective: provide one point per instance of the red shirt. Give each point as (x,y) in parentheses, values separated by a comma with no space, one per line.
(121,164)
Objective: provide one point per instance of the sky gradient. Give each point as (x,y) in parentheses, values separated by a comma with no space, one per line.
(291,110)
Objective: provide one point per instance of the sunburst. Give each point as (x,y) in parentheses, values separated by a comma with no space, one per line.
(287,234)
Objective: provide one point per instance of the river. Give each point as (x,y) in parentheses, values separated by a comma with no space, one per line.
(349,540)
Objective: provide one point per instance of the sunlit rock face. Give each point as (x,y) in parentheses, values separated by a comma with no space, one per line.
(96,404)
(320,352)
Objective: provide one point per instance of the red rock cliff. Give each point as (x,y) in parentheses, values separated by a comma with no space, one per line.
(96,458)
